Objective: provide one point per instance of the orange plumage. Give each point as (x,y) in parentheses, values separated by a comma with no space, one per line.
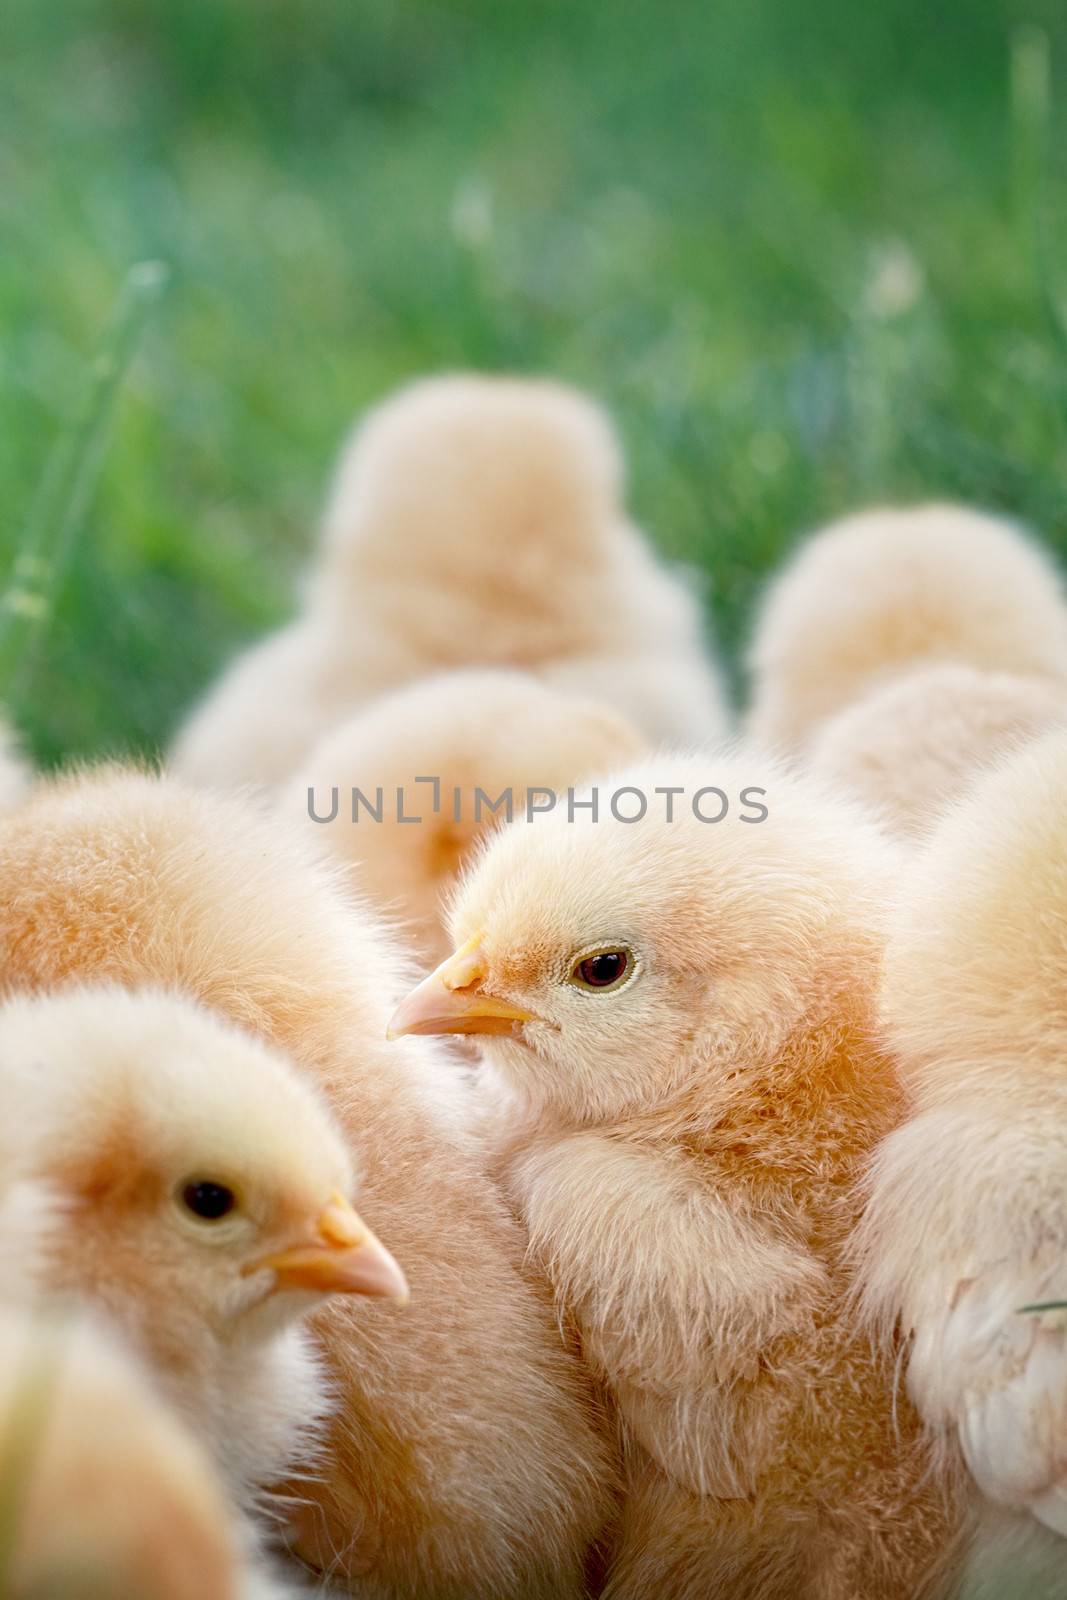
(465,1457)
(682,1145)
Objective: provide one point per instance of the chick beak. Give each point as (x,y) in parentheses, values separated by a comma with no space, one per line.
(452,1000)
(344,1258)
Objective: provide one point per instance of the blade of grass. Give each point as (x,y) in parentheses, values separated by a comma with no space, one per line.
(1031,128)
(28,601)
(21,1440)
(1031,108)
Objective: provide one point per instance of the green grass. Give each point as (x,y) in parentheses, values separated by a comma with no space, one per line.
(808,255)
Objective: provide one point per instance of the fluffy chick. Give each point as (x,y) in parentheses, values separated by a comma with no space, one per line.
(109,1497)
(203,1192)
(967,1220)
(678,1017)
(888,591)
(497,732)
(912,747)
(474,521)
(465,1457)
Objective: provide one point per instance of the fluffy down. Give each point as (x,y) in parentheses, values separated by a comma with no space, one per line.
(464,1456)
(909,749)
(967,1220)
(474,521)
(681,1142)
(116,1500)
(497,732)
(889,590)
(124,1104)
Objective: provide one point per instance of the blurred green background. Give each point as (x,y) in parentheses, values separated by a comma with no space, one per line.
(808,255)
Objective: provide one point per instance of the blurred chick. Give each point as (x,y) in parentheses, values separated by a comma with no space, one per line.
(912,747)
(891,590)
(498,732)
(203,1192)
(967,1221)
(465,1455)
(679,1020)
(474,521)
(106,1496)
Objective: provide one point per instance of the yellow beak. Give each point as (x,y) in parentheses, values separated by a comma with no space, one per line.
(344,1258)
(452,1000)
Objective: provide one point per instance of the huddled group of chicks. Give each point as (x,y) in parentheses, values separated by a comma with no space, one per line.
(696,1227)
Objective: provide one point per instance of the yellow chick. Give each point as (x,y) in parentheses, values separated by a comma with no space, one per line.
(203,1192)
(911,748)
(678,1017)
(105,1495)
(486,745)
(888,591)
(474,521)
(966,1226)
(465,1454)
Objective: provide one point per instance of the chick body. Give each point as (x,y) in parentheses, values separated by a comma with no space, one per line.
(682,1148)
(967,1219)
(464,1457)
(111,1498)
(479,736)
(474,521)
(891,590)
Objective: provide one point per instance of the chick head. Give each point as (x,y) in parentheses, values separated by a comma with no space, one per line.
(912,746)
(610,965)
(893,588)
(203,1185)
(481,514)
(486,737)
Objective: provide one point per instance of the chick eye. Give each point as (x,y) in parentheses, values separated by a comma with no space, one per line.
(602,969)
(209,1201)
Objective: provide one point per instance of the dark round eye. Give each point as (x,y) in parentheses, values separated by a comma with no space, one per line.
(605,969)
(209,1201)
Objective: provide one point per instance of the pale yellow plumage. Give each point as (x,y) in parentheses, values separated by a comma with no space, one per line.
(484,738)
(892,590)
(127,1105)
(465,1454)
(474,521)
(680,1148)
(911,749)
(113,1499)
(967,1221)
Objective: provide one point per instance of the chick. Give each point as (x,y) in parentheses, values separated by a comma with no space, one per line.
(888,591)
(474,521)
(912,747)
(204,1192)
(966,1225)
(484,739)
(678,1016)
(465,1455)
(106,1496)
